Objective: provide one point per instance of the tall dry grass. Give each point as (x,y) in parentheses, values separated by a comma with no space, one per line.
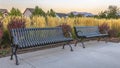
(38,21)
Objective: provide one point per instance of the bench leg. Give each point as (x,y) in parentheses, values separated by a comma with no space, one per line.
(63,46)
(16,56)
(82,43)
(106,39)
(67,43)
(14,50)
(70,47)
(76,43)
(12,53)
(81,40)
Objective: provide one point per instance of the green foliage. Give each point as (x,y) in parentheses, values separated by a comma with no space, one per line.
(1,33)
(51,13)
(1,14)
(103,15)
(73,33)
(79,15)
(3,52)
(38,12)
(71,15)
(15,12)
(6,38)
(112,12)
(118,35)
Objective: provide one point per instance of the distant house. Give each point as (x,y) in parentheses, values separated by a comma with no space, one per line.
(85,14)
(118,14)
(28,12)
(61,15)
(4,12)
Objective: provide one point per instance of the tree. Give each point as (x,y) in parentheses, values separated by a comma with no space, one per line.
(112,12)
(51,13)
(71,15)
(79,15)
(15,12)
(38,12)
(103,14)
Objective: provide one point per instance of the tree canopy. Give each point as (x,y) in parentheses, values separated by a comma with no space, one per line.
(71,15)
(15,12)
(51,13)
(112,12)
(38,12)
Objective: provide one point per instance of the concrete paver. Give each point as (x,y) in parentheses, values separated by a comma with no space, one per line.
(95,55)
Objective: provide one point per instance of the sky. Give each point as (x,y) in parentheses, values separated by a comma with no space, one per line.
(63,6)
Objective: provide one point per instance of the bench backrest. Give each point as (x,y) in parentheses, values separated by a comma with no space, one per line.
(86,30)
(23,34)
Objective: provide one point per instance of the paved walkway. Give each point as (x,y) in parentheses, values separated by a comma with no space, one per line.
(95,55)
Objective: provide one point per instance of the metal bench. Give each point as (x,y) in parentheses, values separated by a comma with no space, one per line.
(33,37)
(83,32)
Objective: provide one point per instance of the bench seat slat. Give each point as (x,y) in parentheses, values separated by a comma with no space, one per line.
(83,32)
(97,35)
(31,37)
(88,31)
(33,43)
(93,35)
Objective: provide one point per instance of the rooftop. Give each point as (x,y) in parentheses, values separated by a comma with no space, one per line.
(61,15)
(4,10)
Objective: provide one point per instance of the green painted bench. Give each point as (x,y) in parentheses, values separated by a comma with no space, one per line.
(33,37)
(83,32)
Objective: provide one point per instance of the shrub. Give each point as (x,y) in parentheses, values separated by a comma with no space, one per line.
(1,33)
(16,23)
(113,33)
(103,28)
(6,39)
(118,35)
(3,52)
(66,29)
(1,30)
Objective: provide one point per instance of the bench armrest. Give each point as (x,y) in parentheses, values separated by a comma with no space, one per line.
(14,40)
(70,34)
(79,31)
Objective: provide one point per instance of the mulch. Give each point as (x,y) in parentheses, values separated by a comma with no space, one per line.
(115,40)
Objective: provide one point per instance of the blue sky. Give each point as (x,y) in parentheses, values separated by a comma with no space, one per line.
(93,6)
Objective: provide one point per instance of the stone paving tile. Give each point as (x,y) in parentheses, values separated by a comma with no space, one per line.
(95,55)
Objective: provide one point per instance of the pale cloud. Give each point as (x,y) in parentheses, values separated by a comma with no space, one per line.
(93,6)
